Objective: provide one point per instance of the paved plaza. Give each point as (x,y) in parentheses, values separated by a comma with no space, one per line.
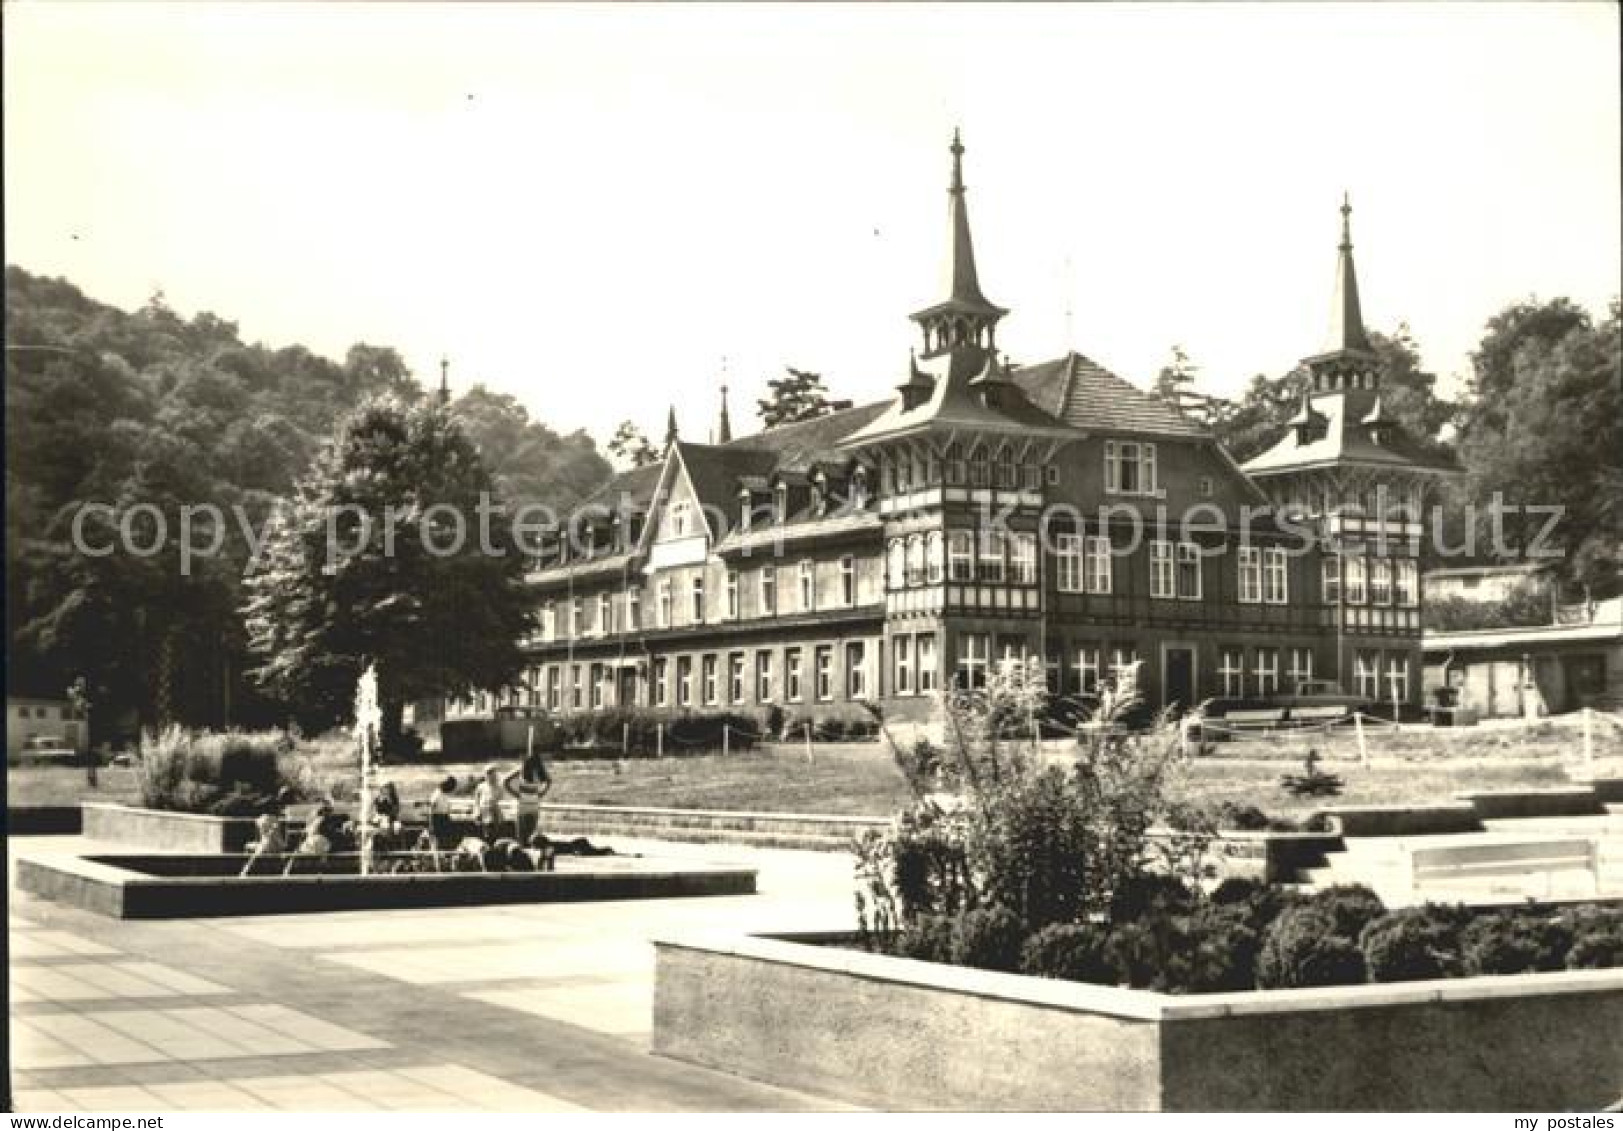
(541,1007)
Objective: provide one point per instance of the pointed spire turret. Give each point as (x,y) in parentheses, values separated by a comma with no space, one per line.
(445,380)
(1348,360)
(724,429)
(1346,315)
(670,426)
(965,317)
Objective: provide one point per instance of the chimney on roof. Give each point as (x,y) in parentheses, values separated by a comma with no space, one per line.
(670,426)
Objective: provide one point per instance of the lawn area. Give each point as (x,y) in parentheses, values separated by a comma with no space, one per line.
(1417,765)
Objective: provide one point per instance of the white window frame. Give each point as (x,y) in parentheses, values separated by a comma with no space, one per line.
(974,659)
(769,590)
(1087,668)
(1275,576)
(925,661)
(901,650)
(736,676)
(666,602)
(1189,569)
(1100,574)
(1406,584)
(1301,667)
(696,598)
(708,681)
(848,581)
(1068,563)
(808,586)
(794,675)
(1023,558)
(763,676)
(1330,579)
(990,567)
(605,614)
(1353,580)
(1367,674)
(1231,671)
(731,585)
(934,562)
(960,556)
(1163,583)
(1397,678)
(684,681)
(856,670)
(823,673)
(1380,581)
(1266,671)
(914,568)
(1250,575)
(662,675)
(896,564)
(633,602)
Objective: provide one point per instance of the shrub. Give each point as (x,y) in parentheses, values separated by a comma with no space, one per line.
(1133,953)
(1303,948)
(1151,894)
(236,773)
(1597,942)
(1351,907)
(1413,944)
(1514,943)
(929,939)
(1213,950)
(1072,951)
(989,938)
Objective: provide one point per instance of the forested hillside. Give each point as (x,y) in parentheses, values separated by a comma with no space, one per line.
(103,405)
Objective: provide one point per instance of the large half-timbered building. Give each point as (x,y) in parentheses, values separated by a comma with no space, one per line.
(986,512)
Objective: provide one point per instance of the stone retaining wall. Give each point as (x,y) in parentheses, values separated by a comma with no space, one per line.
(906,1035)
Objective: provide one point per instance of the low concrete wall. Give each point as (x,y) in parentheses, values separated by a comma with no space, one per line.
(1404,820)
(902,1034)
(100,884)
(43,820)
(1272,857)
(161,829)
(1566,801)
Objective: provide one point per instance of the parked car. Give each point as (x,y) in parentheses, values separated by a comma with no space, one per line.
(48,749)
(1322,693)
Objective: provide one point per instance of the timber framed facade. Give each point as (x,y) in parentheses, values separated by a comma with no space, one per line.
(987,512)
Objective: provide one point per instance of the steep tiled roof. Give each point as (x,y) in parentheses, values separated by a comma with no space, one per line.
(1345,438)
(1085,394)
(956,402)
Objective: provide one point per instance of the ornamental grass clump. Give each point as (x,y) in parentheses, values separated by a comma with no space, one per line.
(233,773)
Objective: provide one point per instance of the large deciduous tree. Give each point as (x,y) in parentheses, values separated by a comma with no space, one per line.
(379,557)
(1544,429)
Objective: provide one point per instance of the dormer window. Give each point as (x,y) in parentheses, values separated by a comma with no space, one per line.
(677,518)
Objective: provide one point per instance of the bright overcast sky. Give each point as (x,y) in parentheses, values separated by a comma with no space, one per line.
(592,207)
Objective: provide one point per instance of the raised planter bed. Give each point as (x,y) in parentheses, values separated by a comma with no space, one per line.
(169,886)
(825,1018)
(164,830)
(43,820)
(1404,820)
(1563,801)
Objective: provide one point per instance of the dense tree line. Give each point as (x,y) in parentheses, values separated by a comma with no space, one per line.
(125,409)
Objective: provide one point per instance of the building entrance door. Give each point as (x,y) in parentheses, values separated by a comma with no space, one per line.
(1178,679)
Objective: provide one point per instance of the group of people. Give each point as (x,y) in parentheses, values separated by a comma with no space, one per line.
(441,843)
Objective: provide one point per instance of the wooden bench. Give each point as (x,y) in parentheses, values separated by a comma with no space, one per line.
(1252,719)
(1520,858)
(1321,714)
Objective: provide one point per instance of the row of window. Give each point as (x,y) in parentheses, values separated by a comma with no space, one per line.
(1082,564)
(1375,581)
(666,596)
(1129,466)
(998,556)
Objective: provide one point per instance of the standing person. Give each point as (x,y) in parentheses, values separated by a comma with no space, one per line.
(529,784)
(439,814)
(487,805)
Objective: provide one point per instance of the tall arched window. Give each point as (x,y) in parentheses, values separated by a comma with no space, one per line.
(896,564)
(955,464)
(1005,470)
(934,560)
